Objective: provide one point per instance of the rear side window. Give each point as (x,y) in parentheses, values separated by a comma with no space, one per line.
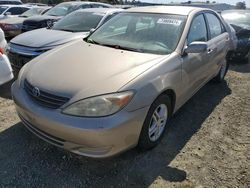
(99,6)
(214,25)
(17,10)
(85,6)
(198,30)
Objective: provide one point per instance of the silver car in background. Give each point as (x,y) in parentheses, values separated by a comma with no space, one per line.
(8,11)
(13,26)
(119,87)
(76,25)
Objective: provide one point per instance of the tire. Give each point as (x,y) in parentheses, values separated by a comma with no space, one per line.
(222,73)
(148,139)
(248,57)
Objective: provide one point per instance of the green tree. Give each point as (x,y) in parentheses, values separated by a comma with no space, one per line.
(241,5)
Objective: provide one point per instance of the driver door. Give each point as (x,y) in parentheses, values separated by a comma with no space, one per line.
(194,65)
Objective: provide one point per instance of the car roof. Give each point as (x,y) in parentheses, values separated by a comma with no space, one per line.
(179,10)
(101,10)
(40,7)
(83,2)
(6,5)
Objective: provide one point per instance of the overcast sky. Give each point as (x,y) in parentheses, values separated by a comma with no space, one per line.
(233,2)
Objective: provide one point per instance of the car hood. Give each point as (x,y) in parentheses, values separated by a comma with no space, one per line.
(43,17)
(13,20)
(40,38)
(81,70)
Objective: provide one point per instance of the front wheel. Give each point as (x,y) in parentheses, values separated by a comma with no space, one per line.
(222,73)
(154,125)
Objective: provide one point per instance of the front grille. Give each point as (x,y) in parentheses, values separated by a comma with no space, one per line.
(43,135)
(18,60)
(44,98)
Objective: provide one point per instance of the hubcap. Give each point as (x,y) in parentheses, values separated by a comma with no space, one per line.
(223,70)
(158,122)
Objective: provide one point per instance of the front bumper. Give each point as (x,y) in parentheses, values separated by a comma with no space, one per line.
(6,73)
(92,137)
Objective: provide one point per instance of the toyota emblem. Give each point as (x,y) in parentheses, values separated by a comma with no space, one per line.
(36,92)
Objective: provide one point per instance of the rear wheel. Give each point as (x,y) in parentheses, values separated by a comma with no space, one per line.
(155,123)
(222,73)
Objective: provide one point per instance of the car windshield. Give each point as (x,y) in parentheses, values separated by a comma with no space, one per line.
(2,9)
(32,12)
(141,32)
(61,10)
(241,19)
(79,22)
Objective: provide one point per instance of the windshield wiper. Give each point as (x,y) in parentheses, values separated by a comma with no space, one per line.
(66,30)
(123,48)
(88,40)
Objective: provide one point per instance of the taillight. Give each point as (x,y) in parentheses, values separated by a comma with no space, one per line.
(1,51)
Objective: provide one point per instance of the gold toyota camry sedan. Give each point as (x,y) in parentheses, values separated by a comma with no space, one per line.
(117,88)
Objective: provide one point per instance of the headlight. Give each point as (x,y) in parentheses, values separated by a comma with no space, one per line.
(98,106)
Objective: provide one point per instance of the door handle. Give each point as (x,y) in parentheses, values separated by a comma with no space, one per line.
(209,50)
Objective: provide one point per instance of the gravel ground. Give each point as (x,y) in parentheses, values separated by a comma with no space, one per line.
(207,145)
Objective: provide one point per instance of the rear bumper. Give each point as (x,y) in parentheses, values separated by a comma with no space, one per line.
(92,137)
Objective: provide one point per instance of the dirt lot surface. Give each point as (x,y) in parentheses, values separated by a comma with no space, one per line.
(207,145)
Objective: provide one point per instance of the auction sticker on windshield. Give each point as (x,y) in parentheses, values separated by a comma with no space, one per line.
(169,21)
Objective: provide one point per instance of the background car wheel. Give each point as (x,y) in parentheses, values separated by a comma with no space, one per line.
(248,57)
(222,73)
(155,123)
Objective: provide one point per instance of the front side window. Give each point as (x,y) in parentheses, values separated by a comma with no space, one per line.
(214,24)
(198,30)
(2,9)
(79,22)
(141,32)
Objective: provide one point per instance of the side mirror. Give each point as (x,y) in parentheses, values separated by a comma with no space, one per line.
(196,47)
(92,31)
(7,13)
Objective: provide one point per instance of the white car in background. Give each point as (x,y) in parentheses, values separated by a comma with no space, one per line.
(6,73)
(7,11)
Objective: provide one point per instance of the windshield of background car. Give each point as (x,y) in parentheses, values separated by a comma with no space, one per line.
(241,19)
(32,12)
(61,10)
(2,9)
(79,22)
(142,32)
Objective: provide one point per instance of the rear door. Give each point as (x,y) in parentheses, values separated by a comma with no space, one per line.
(218,43)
